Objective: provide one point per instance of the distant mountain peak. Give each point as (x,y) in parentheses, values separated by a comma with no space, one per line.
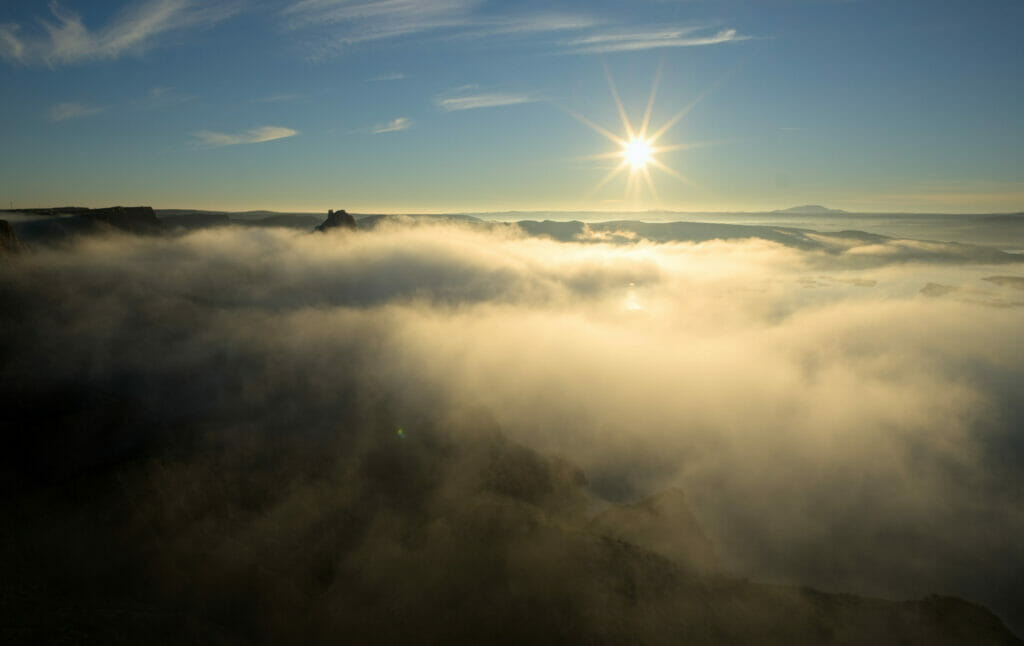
(809,208)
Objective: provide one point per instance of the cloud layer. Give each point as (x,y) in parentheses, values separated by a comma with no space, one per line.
(830,424)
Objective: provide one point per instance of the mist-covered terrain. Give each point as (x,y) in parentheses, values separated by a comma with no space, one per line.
(445,431)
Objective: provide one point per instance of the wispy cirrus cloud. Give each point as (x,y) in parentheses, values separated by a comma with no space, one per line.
(362,20)
(69,111)
(625,41)
(348,22)
(393,76)
(530,24)
(279,98)
(66,39)
(400,123)
(469,98)
(211,139)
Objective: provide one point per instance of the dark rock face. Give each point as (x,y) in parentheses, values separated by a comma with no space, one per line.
(9,242)
(56,225)
(337,220)
(133,219)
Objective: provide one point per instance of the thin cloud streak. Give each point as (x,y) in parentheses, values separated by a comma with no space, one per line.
(279,98)
(68,111)
(356,22)
(350,22)
(395,125)
(378,19)
(67,40)
(530,24)
(254,136)
(635,41)
(482,100)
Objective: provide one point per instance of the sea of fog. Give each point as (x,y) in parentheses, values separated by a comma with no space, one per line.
(841,411)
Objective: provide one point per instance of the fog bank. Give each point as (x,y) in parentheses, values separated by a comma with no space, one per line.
(832,421)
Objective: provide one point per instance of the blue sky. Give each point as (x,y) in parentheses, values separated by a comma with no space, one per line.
(476,105)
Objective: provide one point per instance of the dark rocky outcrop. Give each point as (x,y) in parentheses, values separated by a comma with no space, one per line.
(56,225)
(51,211)
(133,219)
(337,220)
(9,242)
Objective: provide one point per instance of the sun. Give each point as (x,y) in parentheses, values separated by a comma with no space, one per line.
(637,148)
(637,153)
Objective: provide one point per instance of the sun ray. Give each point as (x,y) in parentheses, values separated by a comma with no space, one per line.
(598,156)
(673,172)
(682,113)
(650,183)
(674,120)
(618,104)
(607,178)
(650,100)
(593,126)
(690,146)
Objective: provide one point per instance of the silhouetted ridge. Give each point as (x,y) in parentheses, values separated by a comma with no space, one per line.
(9,242)
(339,219)
(69,221)
(133,219)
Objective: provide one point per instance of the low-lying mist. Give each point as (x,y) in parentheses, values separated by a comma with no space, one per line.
(853,425)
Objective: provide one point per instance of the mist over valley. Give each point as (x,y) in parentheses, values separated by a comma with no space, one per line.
(451,429)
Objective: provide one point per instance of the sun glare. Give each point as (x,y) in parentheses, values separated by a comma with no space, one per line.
(638,147)
(637,152)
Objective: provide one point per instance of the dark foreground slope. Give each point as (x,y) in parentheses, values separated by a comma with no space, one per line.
(449,535)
